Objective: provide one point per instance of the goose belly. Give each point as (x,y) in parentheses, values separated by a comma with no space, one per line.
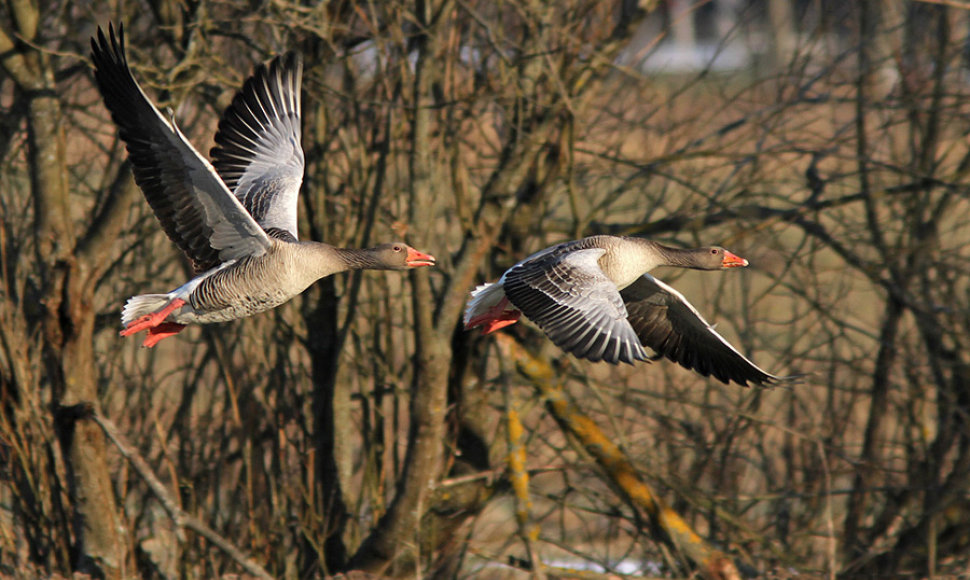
(202,311)
(242,289)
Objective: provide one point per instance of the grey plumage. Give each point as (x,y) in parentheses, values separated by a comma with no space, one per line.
(575,303)
(594,298)
(258,152)
(235,221)
(193,205)
(666,322)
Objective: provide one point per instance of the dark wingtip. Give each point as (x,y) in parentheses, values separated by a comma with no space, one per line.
(291,59)
(774,382)
(114,45)
(789,380)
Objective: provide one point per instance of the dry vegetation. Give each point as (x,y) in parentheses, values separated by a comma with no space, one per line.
(359,427)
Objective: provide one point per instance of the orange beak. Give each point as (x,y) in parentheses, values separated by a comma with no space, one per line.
(416,259)
(733,261)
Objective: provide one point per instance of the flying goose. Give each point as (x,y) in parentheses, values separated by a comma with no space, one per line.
(236,221)
(594,298)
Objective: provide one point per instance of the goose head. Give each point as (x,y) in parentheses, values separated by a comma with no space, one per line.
(400,256)
(712,258)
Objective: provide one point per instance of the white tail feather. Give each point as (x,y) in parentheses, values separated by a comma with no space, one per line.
(138,306)
(484,297)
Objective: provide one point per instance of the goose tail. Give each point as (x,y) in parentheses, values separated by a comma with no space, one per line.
(490,309)
(141,305)
(482,299)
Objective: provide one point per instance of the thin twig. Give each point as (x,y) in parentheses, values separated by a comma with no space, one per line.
(674,530)
(179,517)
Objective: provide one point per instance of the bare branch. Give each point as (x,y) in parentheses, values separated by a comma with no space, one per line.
(179,517)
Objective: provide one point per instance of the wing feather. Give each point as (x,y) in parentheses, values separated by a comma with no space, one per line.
(565,292)
(666,322)
(193,205)
(258,150)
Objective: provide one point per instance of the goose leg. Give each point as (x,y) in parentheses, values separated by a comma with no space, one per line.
(163,330)
(501,321)
(496,317)
(150,321)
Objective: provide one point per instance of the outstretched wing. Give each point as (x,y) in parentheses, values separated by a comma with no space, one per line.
(258,152)
(194,206)
(666,322)
(565,292)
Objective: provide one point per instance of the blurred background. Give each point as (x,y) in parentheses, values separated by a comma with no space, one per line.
(360,428)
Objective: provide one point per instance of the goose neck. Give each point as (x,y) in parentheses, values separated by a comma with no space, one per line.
(358,258)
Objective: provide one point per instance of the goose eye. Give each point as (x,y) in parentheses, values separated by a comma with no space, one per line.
(715,251)
(397,248)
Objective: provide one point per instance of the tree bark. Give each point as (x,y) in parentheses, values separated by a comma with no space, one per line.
(391,547)
(68,275)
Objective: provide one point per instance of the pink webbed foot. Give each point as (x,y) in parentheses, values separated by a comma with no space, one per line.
(150,321)
(508,319)
(163,330)
(496,317)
